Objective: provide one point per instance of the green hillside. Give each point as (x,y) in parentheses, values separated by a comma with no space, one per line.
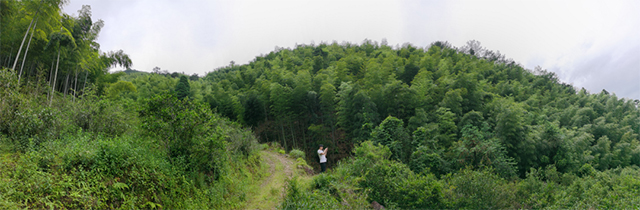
(466,107)
(454,122)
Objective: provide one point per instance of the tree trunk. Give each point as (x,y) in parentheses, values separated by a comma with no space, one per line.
(75,85)
(66,86)
(37,84)
(25,36)
(85,81)
(27,50)
(266,115)
(333,133)
(284,139)
(51,73)
(50,76)
(7,61)
(293,136)
(55,76)
(28,73)
(304,138)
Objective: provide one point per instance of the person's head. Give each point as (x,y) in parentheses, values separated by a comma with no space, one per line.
(321,147)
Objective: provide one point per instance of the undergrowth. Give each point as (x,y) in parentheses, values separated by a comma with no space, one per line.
(93,153)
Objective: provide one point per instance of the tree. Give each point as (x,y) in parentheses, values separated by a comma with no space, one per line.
(25,36)
(253,110)
(182,88)
(391,133)
(475,150)
(194,77)
(357,114)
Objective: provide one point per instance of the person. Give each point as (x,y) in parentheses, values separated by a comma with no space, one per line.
(323,158)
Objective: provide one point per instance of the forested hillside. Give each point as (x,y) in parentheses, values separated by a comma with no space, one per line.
(464,107)
(455,121)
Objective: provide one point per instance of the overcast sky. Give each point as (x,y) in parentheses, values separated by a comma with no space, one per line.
(591,44)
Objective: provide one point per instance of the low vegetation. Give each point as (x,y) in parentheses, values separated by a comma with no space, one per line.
(99,153)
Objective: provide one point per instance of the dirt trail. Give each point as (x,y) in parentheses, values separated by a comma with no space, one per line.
(272,190)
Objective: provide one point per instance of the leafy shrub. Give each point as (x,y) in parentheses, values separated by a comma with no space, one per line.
(391,133)
(263,146)
(281,151)
(295,153)
(274,145)
(366,155)
(239,140)
(587,170)
(24,119)
(299,198)
(425,161)
(301,163)
(393,184)
(102,116)
(479,190)
(187,131)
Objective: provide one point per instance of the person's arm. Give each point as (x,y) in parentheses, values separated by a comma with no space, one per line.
(325,151)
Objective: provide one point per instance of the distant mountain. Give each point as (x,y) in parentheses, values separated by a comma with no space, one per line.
(130,71)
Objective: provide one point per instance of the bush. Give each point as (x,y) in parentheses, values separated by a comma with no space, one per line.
(101,116)
(188,132)
(366,155)
(295,153)
(281,151)
(25,120)
(426,161)
(301,163)
(393,184)
(240,140)
(479,190)
(299,198)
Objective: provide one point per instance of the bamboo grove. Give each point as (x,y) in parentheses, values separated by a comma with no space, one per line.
(54,50)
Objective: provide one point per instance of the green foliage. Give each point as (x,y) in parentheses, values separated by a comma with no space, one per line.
(299,198)
(425,161)
(106,117)
(475,151)
(393,184)
(368,154)
(188,133)
(391,133)
(118,88)
(479,190)
(295,153)
(90,154)
(182,88)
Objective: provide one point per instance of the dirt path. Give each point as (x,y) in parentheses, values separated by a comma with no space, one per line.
(272,190)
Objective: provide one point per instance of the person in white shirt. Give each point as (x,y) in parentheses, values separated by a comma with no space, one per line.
(323,158)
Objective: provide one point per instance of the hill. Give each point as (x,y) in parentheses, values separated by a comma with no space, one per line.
(338,94)
(131,71)
(445,114)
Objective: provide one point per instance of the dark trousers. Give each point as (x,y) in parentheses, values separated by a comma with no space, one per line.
(323,167)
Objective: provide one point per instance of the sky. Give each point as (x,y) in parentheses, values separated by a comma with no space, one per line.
(590,44)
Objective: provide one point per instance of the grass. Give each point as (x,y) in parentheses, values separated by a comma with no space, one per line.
(269,193)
